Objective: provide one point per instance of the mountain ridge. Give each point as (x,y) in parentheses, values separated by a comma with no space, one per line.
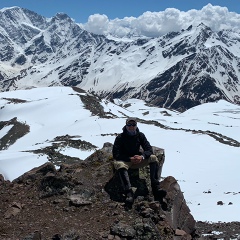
(178,70)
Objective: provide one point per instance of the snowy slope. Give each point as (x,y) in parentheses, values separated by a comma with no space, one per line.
(206,169)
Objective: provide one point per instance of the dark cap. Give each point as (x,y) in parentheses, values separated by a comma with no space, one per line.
(131,119)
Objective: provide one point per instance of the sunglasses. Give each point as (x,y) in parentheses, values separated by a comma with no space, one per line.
(131,124)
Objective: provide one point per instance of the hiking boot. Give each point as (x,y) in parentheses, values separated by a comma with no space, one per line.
(158,193)
(129,197)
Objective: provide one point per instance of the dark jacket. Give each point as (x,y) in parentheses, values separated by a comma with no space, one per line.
(126,146)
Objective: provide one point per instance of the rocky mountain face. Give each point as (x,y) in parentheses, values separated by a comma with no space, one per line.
(178,70)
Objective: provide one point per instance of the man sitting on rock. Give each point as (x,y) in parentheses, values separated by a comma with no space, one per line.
(126,154)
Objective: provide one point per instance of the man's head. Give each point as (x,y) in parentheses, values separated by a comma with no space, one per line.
(131,125)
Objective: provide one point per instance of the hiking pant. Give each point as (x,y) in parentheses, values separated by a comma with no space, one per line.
(155,174)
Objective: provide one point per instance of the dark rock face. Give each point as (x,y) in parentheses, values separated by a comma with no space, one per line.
(18,130)
(1,179)
(191,85)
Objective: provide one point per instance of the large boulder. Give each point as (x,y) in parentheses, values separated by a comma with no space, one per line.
(177,213)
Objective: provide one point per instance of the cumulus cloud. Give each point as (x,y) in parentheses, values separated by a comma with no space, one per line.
(97,23)
(154,24)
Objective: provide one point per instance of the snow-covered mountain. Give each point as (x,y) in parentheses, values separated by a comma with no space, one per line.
(63,124)
(178,70)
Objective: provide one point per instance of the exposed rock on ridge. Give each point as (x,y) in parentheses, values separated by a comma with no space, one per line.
(71,201)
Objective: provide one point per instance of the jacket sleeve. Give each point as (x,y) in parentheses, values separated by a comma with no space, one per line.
(147,148)
(117,151)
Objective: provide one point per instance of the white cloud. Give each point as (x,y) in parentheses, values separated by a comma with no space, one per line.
(154,24)
(97,23)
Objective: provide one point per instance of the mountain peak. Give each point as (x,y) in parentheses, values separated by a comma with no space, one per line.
(6,9)
(105,67)
(204,27)
(62,16)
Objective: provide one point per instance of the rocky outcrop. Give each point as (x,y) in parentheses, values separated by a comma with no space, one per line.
(17,131)
(172,215)
(83,201)
(177,214)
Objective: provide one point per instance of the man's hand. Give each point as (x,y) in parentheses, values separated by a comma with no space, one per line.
(136,159)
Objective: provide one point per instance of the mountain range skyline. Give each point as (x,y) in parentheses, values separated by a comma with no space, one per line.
(156,18)
(178,70)
(81,10)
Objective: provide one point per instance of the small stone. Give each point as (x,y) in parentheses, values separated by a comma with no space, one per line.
(110,237)
(117,238)
(180,232)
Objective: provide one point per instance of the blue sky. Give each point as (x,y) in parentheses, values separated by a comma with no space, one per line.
(80,10)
